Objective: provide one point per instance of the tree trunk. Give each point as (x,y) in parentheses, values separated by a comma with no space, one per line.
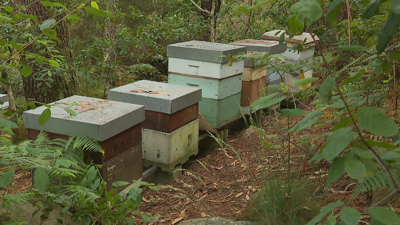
(109,37)
(212,6)
(65,83)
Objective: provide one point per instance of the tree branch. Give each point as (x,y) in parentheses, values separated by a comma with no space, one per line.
(201,9)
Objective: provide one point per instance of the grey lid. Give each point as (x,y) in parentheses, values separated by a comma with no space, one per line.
(203,51)
(4,98)
(163,97)
(262,46)
(97,118)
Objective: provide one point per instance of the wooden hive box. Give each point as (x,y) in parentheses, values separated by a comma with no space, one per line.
(116,125)
(171,112)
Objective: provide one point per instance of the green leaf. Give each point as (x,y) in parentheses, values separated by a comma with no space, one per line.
(54,63)
(120,183)
(44,117)
(91,174)
(97,12)
(395,55)
(337,105)
(305,81)
(282,38)
(47,24)
(154,188)
(26,70)
(9,9)
(4,162)
(355,77)
(269,103)
(246,8)
(331,220)
(71,112)
(355,168)
(63,162)
(6,178)
(384,215)
(74,17)
(325,92)
(294,25)
(325,210)
(336,170)
(306,122)
(376,122)
(41,180)
(291,112)
(147,219)
(387,31)
(344,123)
(263,100)
(51,34)
(381,144)
(350,216)
(17,46)
(308,11)
(51,4)
(337,142)
(371,9)
(33,151)
(386,66)
(352,48)
(363,153)
(333,11)
(7,123)
(94,4)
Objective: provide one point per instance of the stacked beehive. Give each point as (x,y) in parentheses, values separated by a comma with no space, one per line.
(171,129)
(116,125)
(292,55)
(3,98)
(255,78)
(206,65)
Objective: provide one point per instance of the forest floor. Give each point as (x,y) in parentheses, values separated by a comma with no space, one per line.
(222,182)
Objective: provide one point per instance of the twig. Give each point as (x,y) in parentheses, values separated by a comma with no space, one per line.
(201,9)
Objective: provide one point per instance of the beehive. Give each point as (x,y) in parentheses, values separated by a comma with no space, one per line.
(116,125)
(206,65)
(171,112)
(3,98)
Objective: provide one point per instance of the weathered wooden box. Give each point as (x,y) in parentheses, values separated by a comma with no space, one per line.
(203,51)
(251,90)
(219,113)
(292,77)
(250,74)
(168,106)
(204,69)
(167,150)
(211,88)
(116,125)
(292,55)
(4,98)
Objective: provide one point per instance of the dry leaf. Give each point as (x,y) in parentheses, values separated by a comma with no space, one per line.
(145,200)
(83,105)
(177,220)
(238,194)
(203,215)
(182,214)
(247,197)
(218,168)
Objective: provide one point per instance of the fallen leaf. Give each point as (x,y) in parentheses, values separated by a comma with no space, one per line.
(218,168)
(145,200)
(83,105)
(203,215)
(177,220)
(238,194)
(247,197)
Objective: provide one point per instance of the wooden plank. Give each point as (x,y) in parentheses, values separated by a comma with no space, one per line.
(169,122)
(251,90)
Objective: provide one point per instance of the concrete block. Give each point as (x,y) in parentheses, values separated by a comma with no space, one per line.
(219,113)
(166,150)
(4,97)
(96,118)
(164,98)
(162,177)
(203,51)
(211,88)
(292,77)
(251,90)
(261,46)
(204,69)
(250,74)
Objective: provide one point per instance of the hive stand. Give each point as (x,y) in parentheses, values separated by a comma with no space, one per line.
(293,55)
(171,129)
(255,78)
(116,125)
(205,65)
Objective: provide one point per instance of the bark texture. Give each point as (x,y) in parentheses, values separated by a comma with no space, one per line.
(65,84)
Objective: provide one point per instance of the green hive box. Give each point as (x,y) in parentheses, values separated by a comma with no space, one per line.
(219,113)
